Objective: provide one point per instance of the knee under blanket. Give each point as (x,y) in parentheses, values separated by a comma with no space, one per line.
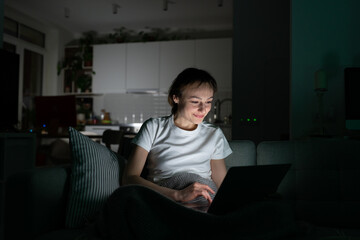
(137,212)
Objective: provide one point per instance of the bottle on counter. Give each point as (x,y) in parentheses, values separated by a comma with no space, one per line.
(105,117)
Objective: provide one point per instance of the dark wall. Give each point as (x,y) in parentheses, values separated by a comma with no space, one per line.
(325,35)
(261,70)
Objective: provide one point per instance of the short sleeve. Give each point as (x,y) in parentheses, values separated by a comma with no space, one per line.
(222,147)
(144,138)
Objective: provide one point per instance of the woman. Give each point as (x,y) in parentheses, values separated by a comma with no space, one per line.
(185,154)
(185,159)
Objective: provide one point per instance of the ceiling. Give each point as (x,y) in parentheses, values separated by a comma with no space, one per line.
(98,15)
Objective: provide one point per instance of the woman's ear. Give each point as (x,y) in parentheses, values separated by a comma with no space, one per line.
(175,99)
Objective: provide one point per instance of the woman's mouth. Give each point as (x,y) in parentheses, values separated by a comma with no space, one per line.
(199,116)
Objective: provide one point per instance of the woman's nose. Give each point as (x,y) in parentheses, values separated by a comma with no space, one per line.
(202,107)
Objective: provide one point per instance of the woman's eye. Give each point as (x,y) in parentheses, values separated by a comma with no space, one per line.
(194,102)
(209,102)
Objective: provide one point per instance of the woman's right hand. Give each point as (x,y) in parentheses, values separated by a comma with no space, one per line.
(135,166)
(193,191)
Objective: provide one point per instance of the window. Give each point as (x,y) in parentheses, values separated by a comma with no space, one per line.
(9,47)
(26,33)
(31,35)
(11,27)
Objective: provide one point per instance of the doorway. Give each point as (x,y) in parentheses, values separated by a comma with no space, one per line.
(32,86)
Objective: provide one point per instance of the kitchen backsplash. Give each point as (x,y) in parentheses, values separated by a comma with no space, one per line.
(129,108)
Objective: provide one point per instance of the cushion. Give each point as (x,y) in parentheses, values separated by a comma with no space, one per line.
(95,174)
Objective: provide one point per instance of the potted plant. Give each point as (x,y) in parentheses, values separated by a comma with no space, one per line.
(83,82)
(80,56)
(121,35)
(85,47)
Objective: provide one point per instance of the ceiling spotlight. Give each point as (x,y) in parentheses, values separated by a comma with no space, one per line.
(220,3)
(66,12)
(165,5)
(115,8)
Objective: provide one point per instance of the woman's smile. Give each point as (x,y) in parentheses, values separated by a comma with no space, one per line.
(199,116)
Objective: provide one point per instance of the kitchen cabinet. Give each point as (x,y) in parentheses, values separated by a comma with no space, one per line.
(175,56)
(215,56)
(137,67)
(109,65)
(142,66)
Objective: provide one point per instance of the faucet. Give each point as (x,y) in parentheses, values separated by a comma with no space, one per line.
(217,109)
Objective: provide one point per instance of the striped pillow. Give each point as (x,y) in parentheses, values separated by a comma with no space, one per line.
(94,176)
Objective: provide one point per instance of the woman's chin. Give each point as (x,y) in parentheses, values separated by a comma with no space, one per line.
(198,120)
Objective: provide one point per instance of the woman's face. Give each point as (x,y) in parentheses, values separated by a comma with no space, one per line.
(193,105)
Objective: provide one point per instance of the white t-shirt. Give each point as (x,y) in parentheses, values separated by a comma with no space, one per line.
(172,149)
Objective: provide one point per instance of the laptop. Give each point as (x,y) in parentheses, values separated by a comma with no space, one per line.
(246,184)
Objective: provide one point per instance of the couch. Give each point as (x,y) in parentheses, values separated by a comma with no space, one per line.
(322,186)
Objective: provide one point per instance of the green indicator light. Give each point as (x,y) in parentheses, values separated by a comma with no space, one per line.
(254,120)
(248,119)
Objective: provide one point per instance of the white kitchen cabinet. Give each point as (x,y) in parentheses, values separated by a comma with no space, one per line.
(109,65)
(134,67)
(142,66)
(215,56)
(175,56)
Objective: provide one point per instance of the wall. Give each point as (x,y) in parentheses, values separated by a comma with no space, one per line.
(325,35)
(261,64)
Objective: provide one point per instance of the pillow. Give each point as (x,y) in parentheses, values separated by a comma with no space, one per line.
(95,174)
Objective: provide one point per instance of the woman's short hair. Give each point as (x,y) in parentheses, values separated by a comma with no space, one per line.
(186,78)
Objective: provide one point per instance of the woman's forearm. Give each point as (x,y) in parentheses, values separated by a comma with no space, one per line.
(218,169)
(133,170)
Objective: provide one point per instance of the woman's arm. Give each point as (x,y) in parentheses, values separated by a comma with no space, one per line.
(133,171)
(218,171)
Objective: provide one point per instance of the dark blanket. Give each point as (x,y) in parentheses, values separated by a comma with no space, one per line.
(182,180)
(137,212)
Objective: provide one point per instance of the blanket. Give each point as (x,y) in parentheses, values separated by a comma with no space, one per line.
(137,212)
(182,180)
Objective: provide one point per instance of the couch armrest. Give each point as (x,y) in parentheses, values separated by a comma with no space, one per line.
(35,201)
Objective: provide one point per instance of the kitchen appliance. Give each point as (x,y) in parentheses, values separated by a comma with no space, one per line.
(99,129)
(130,128)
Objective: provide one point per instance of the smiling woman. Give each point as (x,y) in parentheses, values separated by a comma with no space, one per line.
(193,105)
(182,144)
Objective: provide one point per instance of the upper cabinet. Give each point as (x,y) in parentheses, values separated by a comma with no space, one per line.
(134,67)
(215,56)
(109,65)
(175,56)
(142,66)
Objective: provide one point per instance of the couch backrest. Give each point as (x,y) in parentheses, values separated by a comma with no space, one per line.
(324,180)
(244,153)
(36,202)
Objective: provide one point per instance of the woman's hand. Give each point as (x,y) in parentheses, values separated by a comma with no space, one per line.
(193,191)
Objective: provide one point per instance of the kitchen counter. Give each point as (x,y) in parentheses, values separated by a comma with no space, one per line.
(129,128)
